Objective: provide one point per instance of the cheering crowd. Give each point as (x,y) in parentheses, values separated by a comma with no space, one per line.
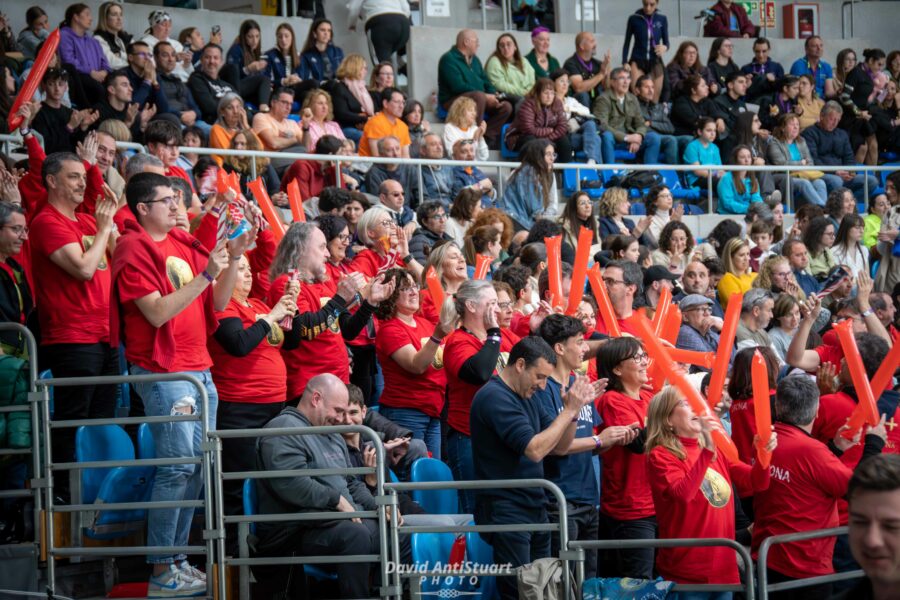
(503,333)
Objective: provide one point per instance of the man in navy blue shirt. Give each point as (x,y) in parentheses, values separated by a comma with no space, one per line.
(763,72)
(511,435)
(574,472)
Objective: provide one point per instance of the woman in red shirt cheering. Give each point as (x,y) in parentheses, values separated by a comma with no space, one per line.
(625,500)
(450,267)
(248,371)
(411,357)
(692,490)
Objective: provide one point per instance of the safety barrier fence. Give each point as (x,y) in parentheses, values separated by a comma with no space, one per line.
(765,588)
(559,527)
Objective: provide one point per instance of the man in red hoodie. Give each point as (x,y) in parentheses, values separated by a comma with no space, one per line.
(164,297)
(730,20)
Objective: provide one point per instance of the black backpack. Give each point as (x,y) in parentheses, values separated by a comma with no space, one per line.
(641,180)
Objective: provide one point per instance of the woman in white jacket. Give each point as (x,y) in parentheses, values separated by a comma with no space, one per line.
(112,38)
(462,124)
(386,23)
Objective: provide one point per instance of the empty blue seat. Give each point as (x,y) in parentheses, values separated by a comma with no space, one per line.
(637,208)
(145,447)
(480,552)
(588,176)
(436,502)
(99,443)
(429,550)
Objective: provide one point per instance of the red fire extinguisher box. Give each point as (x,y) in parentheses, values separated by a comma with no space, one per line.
(801,19)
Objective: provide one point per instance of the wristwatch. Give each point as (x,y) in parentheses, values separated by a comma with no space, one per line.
(868,313)
(598,443)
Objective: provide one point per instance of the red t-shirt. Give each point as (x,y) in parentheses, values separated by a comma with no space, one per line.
(70,311)
(259,377)
(459,347)
(830,350)
(427,308)
(743,428)
(624,327)
(625,489)
(122,216)
(366,336)
(693,499)
(806,482)
(188,326)
(367,262)
(403,389)
(326,352)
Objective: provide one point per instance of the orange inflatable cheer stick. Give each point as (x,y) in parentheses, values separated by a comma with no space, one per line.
(885,372)
(726,343)
(660,355)
(603,304)
(759,376)
(866,410)
(48,50)
(579,269)
(692,357)
(672,325)
(554,269)
(434,288)
(482,266)
(662,310)
(296,202)
(268,209)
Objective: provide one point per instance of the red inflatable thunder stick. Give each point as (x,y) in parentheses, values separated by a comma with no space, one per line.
(482,266)
(268,209)
(34,79)
(759,376)
(866,411)
(603,304)
(661,356)
(726,340)
(434,288)
(554,269)
(579,269)
(296,202)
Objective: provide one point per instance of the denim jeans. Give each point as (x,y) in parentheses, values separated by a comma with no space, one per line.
(588,139)
(459,456)
(649,147)
(171,526)
(608,147)
(583,524)
(516,548)
(423,427)
(352,133)
(804,191)
(857,185)
(637,563)
(668,149)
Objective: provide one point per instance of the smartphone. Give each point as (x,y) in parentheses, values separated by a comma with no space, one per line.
(216,29)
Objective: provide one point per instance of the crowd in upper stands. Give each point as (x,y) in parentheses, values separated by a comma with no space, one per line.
(439,295)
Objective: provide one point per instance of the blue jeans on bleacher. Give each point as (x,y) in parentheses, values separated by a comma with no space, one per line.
(857,185)
(588,140)
(459,457)
(351,133)
(668,149)
(171,526)
(649,147)
(425,428)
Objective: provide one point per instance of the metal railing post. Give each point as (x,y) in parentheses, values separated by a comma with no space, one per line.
(709,191)
(421,184)
(789,191)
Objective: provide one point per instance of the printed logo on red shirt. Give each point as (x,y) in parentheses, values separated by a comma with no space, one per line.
(276,335)
(715,488)
(86,242)
(334,325)
(179,272)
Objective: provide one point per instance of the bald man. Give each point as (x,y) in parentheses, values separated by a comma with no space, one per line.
(325,401)
(460,73)
(586,73)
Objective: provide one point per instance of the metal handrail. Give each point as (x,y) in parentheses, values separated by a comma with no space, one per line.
(561,526)
(763,557)
(579,546)
(244,562)
(44,386)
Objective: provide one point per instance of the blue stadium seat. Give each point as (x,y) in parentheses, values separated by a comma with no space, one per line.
(430,549)
(480,552)
(505,151)
(436,502)
(99,443)
(889,156)
(637,208)
(679,191)
(145,447)
(570,182)
(622,155)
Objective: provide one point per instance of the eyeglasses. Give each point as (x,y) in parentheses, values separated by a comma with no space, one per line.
(170,201)
(386,223)
(345,237)
(466,142)
(18,230)
(142,54)
(640,358)
(609,281)
(504,305)
(439,217)
(410,288)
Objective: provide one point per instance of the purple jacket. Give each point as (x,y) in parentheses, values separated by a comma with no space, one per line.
(84,52)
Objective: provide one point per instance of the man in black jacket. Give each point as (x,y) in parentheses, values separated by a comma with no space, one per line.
(732,103)
(15,295)
(205,84)
(180,100)
(432,218)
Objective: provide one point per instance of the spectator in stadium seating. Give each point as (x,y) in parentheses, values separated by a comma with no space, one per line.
(460,74)
(619,114)
(696,280)
(756,315)
(587,75)
(320,58)
(462,123)
(164,301)
(391,198)
(539,57)
(16,303)
(450,267)
(352,211)
(582,126)
(695,488)
(508,72)
(762,72)
(613,210)
(283,63)
(60,126)
(232,119)
(541,116)
(531,190)
(437,179)
(795,251)
(676,245)
(381,79)
(809,105)
(318,118)
(192,41)
(403,174)
(178,95)
(82,56)
(788,147)
(650,31)
(624,282)
(720,62)
(786,315)
(432,219)
(387,122)
(248,370)
(703,152)
(245,139)
(730,20)
(419,127)
(738,277)
(464,210)
(577,213)
(737,190)
(36,31)
(889,268)
(324,402)
(279,133)
(686,63)
(245,55)
(819,238)
(656,278)
(848,249)
(885,311)
(141,73)
(111,35)
(731,101)
(386,24)
(878,208)
(106,158)
(499,221)
(693,104)
(812,64)
(160,31)
(807,481)
(313,176)
(626,502)
(351,100)
(207,86)
(782,102)
(414,378)
(656,119)
(470,176)
(830,146)
(163,139)
(698,331)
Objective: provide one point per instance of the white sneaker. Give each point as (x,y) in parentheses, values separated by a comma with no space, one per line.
(175,584)
(191,571)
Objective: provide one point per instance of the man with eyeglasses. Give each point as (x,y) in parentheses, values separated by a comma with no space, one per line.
(141,73)
(390,196)
(432,217)
(406,176)
(623,280)
(386,122)
(698,328)
(166,289)
(72,284)
(16,304)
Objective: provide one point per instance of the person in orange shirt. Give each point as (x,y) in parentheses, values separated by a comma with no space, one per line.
(387,122)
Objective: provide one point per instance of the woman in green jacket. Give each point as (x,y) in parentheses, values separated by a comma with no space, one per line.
(508,71)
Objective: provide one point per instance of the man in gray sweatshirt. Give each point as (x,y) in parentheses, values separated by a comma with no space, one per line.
(324,402)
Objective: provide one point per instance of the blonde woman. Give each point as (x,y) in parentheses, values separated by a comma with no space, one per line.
(318,119)
(113,38)
(738,277)
(450,267)
(351,101)
(462,124)
(614,208)
(809,105)
(246,139)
